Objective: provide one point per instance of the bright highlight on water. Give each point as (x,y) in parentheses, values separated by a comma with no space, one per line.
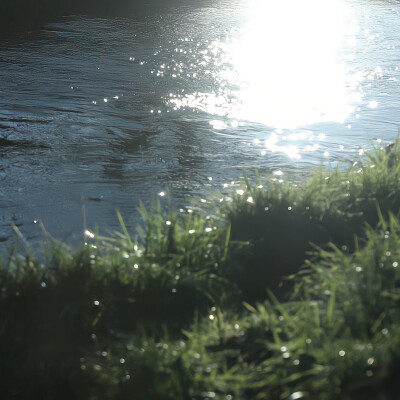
(286,67)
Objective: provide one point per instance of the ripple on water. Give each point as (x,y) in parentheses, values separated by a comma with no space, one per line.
(229,92)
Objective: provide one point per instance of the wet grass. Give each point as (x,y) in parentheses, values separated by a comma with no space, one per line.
(273,292)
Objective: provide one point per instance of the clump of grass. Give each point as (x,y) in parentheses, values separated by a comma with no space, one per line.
(185,310)
(337,337)
(332,206)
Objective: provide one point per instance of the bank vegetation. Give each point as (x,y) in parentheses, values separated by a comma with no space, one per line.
(268,291)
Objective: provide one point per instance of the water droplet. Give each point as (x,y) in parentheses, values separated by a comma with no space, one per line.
(297,395)
(89,234)
(342,353)
(96,303)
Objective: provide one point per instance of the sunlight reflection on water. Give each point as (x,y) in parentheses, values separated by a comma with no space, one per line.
(285,67)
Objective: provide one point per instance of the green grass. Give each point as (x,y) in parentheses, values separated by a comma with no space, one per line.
(275,292)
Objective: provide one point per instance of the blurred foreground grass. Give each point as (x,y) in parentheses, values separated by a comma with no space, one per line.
(228,302)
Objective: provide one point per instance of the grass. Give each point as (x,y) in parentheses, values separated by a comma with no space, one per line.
(275,292)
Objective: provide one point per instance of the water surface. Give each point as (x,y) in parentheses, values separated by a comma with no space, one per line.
(105,112)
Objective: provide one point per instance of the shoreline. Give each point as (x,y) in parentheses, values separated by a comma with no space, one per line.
(232,301)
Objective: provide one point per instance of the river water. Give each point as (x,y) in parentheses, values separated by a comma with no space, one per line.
(102,113)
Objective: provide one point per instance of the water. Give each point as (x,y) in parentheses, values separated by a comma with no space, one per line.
(101,113)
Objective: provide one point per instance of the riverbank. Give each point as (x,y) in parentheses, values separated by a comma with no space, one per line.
(227,301)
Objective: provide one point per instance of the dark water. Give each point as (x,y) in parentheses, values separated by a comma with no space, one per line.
(105,112)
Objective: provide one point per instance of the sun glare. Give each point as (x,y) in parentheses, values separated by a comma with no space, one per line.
(287,66)
(289,62)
